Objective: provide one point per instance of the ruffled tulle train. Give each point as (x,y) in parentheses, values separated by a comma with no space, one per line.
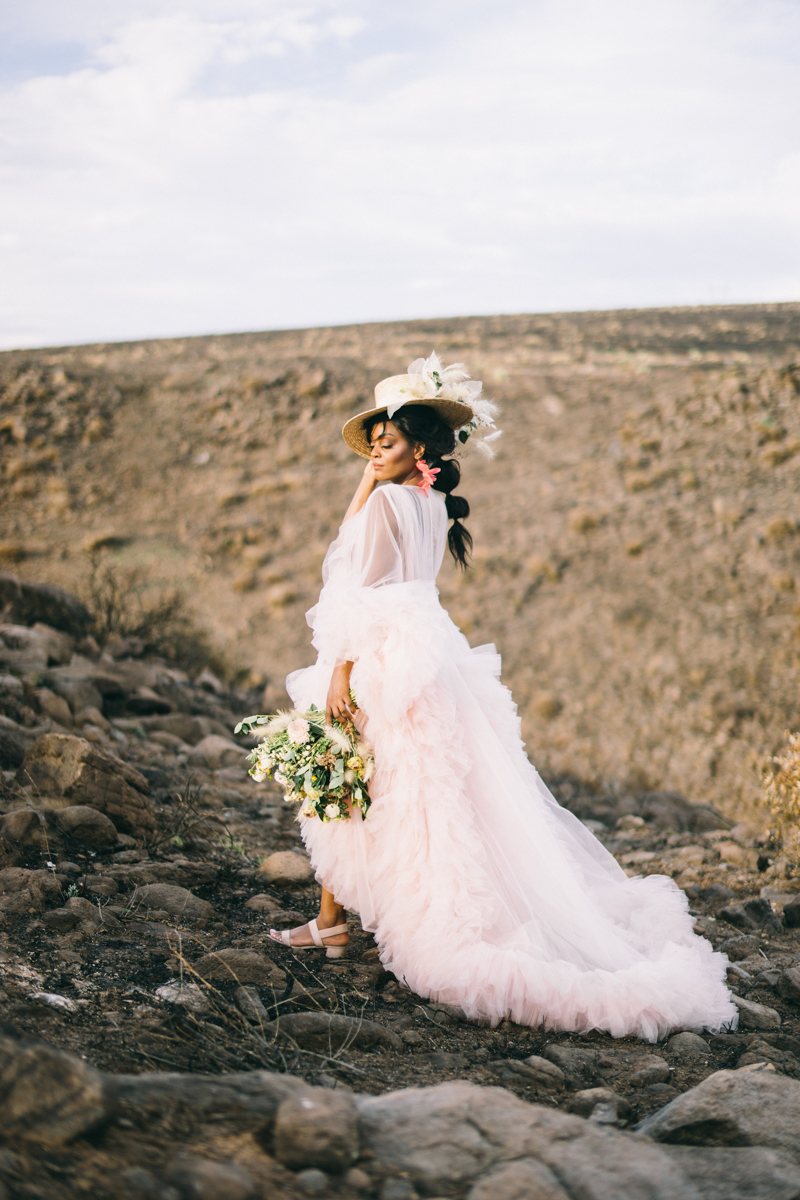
(482,892)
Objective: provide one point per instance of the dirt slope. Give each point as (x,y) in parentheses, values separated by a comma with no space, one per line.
(637,550)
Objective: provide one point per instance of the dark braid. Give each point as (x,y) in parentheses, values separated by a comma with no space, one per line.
(423,425)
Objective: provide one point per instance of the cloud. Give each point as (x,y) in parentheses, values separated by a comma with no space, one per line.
(236,165)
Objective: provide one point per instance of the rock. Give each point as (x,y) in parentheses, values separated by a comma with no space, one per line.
(788,984)
(186,994)
(525,1179)
(715,893)
(86,824)
(755,1016)
(586,1101)
(443,1138)
(53,706)
(263,904)
(136,1183)
(536,1071)
(12,745)
(91,916)
(53,1000)
(249,1099)
(189,729)
(21,827)
(755,913)
(70,767)
(250,1006)
(740,947)
(215,751)
(42,602)
(48,1095)
(313,1182)
(548,1074)
(61,920)
(687,1045)
(317,1129)
(21,891)
(357,1179)
(286,868)
(746,1173)
(791,913)
(650,1069)
(99,885)
(331,1032)
(92,716)
(177,901)
(398,1189)
(243,966)
(733,1108)
(146,702)
(200,1179)
(578,1063)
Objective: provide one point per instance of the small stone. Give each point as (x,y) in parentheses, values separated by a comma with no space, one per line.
(100,885)
(286,868)
(649,1069)
(548,1074)
(60,920)
(312,1182)
(524,1179)
(200,1179)
(791,913)
(317,1129)
(755,913)
(136,1183)
(756,1016)
(250,1006)
(47,1094)
(86,825)
(214,751)
(177,901)
(586,1101)
(53,1000)
(578,1063)
(788,984)
(263,903)
(53,706)
(687,1045)
(240,966)
(331,1031)
(357,1179)
(187,995)
(738,948)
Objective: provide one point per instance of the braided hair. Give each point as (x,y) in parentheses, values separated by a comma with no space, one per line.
(423,425)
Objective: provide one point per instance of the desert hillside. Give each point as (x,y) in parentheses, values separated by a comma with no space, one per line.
(637,549)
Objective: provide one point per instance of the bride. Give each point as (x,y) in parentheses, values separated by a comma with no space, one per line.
(481,891)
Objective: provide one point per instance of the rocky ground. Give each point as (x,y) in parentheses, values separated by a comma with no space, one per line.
(637,551)
(157,1046)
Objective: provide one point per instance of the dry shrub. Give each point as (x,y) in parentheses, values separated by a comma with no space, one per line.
(124,603)
(782,797)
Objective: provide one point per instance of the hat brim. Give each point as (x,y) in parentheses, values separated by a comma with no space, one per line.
(452,413)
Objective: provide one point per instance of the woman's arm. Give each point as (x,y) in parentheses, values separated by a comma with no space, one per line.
(338,704)
(362,492)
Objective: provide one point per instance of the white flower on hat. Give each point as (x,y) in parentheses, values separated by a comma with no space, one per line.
(428,379)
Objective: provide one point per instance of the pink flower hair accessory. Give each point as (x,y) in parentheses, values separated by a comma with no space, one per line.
(428,474)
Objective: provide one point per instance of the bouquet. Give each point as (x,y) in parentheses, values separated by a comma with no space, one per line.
(324,768)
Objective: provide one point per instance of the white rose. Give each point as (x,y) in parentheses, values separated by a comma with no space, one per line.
(297,731)
(308,810)
(258,775)
(332,811)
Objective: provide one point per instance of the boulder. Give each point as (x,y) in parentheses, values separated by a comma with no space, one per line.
(755,913)
(317,1128)
(172,1101)
(48,1095)
(177,901)
(21,827)
(61,765)
(687,1045)
(740,947)
(650,1069)
(21,891)
(756,1016)
(286,868)
(443,1138)
(13,744)
(525,1179)
(791,913)
(85,824)
(243,966)
(733,1108)
(746,1173)
(53,706)
(263,903)
(214,752)
(331,1032)
(42,602)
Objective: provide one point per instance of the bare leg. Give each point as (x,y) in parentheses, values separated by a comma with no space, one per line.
(331,913)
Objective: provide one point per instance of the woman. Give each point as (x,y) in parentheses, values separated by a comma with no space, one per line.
(482,892)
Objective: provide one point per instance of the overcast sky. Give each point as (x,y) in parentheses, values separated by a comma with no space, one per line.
(225,165)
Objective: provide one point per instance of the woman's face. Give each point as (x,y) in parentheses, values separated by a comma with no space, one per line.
(392,454)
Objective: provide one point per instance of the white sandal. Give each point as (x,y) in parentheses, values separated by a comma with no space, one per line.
(284,936)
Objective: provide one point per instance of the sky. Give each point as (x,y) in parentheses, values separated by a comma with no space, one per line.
(224,165)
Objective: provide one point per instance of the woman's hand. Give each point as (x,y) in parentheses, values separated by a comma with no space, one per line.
(338,706)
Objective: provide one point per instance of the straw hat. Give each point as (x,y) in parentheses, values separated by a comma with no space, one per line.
(393,393)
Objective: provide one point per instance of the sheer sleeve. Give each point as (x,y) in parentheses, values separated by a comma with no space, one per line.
(379,547)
